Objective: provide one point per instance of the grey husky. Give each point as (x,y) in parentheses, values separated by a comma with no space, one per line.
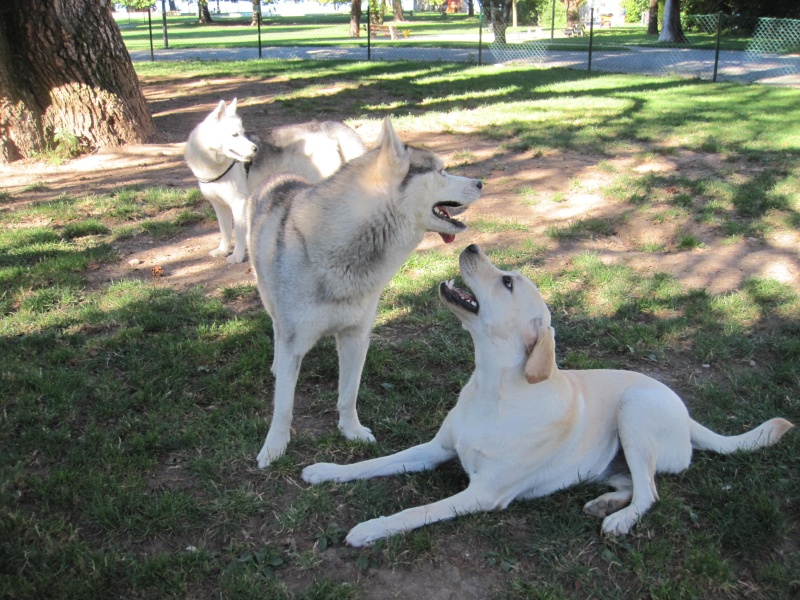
(229,166)
(323,253)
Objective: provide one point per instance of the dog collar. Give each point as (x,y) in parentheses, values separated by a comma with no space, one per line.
(220,176)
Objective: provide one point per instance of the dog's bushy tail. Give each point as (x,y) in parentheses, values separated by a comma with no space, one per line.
(765,434)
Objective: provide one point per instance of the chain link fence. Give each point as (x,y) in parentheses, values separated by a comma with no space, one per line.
(714,47)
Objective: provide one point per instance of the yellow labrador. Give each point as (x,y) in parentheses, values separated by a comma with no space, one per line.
(522,428)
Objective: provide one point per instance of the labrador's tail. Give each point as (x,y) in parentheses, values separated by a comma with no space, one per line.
(765,434)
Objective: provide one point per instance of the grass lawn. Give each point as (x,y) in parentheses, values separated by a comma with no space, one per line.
(132,411)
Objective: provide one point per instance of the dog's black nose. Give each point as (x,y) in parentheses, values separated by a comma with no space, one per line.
(479,184)
(472,248)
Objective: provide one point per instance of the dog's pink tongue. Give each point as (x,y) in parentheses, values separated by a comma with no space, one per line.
(447,237)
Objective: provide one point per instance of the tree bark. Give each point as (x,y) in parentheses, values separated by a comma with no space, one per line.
(203,14)
(64,71)
(671,28)
(256,13)
(397,9)
(499,11)
(355,19)
(652,18)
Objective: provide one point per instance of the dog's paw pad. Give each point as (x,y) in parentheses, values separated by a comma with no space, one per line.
(596,508)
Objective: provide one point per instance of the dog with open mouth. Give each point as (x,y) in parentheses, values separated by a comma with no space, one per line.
(323,253)
(523,428)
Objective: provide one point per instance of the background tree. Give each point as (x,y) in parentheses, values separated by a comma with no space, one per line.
(397,9)
(256,8)
(671,28)
(65,73)
(652,18)
(203,14)
(498,13)
(355,19)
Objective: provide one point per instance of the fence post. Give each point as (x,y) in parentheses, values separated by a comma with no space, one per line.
(553,20)
(164,23)
(480,36)
(591,36)
(369,34)
(150,29)
(259,29)
(716,52)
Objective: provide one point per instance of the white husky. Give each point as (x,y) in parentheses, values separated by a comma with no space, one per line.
(229,167)
(522,428)
(323,253)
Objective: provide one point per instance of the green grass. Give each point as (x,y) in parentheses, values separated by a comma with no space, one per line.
(132,412)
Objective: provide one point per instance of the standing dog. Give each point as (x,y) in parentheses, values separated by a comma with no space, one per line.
(522,428)
(229,167)
(322,254)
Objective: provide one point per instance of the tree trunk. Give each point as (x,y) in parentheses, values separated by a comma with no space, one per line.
(652,18)
(203,14)
(500,11)
(671,29)
(256,13)
(65,71)
(471,8)
(172,6)
(355,19)
(397,9)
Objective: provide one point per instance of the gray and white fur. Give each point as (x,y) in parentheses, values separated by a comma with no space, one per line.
(322,254)
(229,166)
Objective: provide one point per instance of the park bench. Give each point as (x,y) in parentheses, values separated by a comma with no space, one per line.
(577,30)
(386,29)
(605,20)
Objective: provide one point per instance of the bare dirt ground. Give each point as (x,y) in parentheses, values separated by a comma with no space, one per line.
(573,179)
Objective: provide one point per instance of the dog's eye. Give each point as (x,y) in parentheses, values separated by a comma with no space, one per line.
(442,172)
(508,281)
(235,135)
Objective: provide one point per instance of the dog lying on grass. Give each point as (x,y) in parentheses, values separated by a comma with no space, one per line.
(522,428)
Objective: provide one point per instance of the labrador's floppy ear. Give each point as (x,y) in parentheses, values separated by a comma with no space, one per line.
(542,358)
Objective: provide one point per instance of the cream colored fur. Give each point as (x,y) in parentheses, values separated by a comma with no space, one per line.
(522,428)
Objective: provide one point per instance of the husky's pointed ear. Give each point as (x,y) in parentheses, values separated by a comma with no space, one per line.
(231,108)
(541,363)
(393,149)
(218,112)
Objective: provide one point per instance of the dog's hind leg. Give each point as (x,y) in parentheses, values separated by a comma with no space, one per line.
(654,434)
(352,345)
(611,502)
(287,367)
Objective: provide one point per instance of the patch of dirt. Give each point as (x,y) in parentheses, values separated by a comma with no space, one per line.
(565,189)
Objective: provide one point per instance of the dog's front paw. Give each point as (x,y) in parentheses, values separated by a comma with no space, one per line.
(274,447)
(368,532)
(357,432)
(320,472)
(235,258)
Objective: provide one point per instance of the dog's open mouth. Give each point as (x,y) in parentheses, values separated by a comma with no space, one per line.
(457,296)
(440,211)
